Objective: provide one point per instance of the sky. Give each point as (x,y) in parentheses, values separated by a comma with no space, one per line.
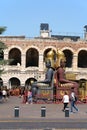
(23,17)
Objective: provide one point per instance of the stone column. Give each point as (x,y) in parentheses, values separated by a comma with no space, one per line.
(5,83)
(75,61)
(41,63)
(5,55)
(23,60)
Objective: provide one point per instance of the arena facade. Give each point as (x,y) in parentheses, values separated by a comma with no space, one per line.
(29,58)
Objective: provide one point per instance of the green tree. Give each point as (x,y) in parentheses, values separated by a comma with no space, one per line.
(2,29)
(2,47)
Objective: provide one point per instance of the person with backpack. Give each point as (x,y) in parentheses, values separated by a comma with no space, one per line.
(73,100)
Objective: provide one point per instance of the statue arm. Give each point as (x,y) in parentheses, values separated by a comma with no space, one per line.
(62,78)
(48,79)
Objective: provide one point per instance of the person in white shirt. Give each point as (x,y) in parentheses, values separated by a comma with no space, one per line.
(4,94)
(65,101)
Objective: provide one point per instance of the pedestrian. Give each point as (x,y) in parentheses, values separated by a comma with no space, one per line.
(25,93)
(0,94)
(65,101)
(30,101)
(4,94)
(73,100)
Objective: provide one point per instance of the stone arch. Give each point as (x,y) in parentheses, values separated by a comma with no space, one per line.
(29,47)
(14,46)
(14,82)
(82,59)
(15,56)
(49,47)
(80,49)
(68,48)
(32,57)
(29,81)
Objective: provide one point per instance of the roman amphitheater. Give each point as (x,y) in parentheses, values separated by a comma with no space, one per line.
(29,58)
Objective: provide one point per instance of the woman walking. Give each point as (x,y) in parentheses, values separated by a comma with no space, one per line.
(65,101)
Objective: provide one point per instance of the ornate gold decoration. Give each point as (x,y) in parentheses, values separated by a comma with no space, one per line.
(59,56)
(55,57)
(70,76)
(50,56)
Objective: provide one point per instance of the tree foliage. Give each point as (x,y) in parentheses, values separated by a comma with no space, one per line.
(2,29)
(2,47)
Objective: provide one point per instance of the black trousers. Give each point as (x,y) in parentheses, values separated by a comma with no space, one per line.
(65,105)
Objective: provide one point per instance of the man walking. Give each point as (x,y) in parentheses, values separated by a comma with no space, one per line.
(73,101)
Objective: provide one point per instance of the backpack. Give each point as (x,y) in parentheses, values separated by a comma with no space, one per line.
(75,99)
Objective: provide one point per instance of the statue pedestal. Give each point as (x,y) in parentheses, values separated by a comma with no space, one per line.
(45,93)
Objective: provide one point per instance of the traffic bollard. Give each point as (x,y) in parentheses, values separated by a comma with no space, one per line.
(16,111)
(67,112)
(43,111)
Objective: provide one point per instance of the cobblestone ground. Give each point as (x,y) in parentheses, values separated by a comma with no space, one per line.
(33,112)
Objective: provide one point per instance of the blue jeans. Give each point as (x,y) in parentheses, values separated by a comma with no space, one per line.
(73,106)
(30,99)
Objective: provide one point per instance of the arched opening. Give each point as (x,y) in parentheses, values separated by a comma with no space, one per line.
(15,56)
(82,59)
(14,82)
(29,82)
(1,82)
(69,57)
(1,55)
(32,57)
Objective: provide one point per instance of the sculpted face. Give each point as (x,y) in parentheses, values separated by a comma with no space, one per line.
(48,63)
(62,63)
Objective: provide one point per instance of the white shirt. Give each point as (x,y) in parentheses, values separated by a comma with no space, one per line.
(4,92)
(65,99)
(73,96)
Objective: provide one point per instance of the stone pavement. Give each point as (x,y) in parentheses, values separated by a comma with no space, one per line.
(33,111)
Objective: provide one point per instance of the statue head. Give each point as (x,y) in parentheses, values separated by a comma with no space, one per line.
(54,58)
(48,63)
(62,63)
(50,56)
(59,57)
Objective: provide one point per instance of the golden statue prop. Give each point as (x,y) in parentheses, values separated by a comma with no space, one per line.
(58,61)
(55,76)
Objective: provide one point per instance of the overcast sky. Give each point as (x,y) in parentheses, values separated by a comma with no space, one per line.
(23,17)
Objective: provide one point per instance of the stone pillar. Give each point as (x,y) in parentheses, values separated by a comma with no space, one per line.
(23,60)
(41,63)
(5,83)
(22,84)
(5,55)
(75,61)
